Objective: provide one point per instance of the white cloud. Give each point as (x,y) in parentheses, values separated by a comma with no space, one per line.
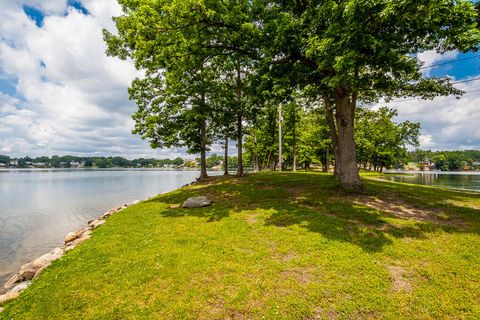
(49,6)
(73,99)
(447,123)
(431,57)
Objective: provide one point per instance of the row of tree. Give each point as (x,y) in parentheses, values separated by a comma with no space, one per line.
(446,160)
(213,161)
(381,143)
(216,69)
(100,162)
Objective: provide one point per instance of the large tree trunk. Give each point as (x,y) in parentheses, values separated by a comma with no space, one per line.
(348,173)
(203,149)
(225,158)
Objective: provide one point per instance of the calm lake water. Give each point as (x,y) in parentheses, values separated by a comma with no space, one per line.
(451,180)
(39,207)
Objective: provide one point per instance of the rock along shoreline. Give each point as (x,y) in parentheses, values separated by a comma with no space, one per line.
(32,270)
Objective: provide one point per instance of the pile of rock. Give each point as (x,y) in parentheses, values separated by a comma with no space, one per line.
(22,279)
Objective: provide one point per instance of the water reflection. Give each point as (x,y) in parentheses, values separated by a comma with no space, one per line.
(38,207)
(462,181)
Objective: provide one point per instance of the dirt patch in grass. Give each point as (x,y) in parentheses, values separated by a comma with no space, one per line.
(296,191)
(322,313)
(303,275)
(287,257)
(218,310)
(402,210)
(280,256)
(399,282)
(252,217)
(265,187)
(229,194)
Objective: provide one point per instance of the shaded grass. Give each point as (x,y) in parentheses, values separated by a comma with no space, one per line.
(274,246)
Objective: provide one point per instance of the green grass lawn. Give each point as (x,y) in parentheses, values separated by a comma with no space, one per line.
(273,246)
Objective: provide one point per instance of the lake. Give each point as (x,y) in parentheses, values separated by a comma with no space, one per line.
(452,180)
(39,207)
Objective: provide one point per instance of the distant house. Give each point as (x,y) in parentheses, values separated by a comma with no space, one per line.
(14,163)
(426,165)
(75,164)
(2,164)
(476,163)
(40,165)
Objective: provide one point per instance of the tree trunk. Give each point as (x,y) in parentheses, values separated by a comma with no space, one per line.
(329,114)
(203,149)
(256,161)
(294,140)
(225,159)
(325,164)
(239,121)
(239,147)
(348,174)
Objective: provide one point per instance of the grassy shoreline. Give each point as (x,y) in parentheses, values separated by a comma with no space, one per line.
(279,246)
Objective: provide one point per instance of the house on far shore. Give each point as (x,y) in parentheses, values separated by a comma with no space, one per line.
(40,165)
(2,165)
(14,163)
(77,164)
(426,166)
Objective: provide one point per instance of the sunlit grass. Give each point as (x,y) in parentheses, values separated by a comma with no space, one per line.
(273,246)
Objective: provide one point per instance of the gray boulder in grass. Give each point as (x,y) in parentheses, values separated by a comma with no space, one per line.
(197,202)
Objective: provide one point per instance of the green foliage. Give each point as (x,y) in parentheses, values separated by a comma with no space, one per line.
(382,143)
(88,163)
(447,160)
(315,144)
(220,61)
(261,142)
(5,159)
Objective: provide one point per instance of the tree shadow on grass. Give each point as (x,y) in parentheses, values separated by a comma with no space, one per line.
(314,202)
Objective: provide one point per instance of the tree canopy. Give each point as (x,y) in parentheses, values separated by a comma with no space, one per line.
(213,68)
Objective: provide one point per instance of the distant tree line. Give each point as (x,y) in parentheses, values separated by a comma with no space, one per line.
(213,161)
(446,160)
(87,162)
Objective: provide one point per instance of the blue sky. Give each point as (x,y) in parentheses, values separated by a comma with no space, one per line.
(460,69)
(60,94)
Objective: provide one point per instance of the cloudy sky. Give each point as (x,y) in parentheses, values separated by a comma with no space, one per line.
(60,94)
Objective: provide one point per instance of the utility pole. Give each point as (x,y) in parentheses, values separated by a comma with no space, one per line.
(280,120)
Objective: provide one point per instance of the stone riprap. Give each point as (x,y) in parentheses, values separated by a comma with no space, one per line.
(23,278)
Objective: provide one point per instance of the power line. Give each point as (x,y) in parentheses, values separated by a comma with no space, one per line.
(468,80)
(418,99)
(449,62)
